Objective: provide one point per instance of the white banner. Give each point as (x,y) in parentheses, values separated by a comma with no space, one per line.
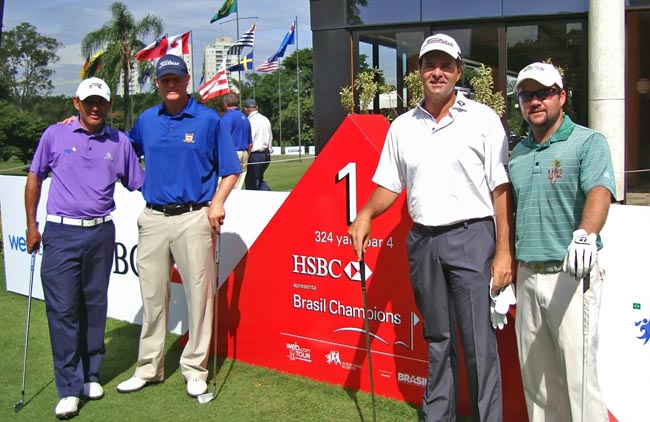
(247,213)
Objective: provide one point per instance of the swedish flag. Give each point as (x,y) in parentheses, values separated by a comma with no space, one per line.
(244,64)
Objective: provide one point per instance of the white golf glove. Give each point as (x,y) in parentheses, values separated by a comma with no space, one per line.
(500,305)
(581,254)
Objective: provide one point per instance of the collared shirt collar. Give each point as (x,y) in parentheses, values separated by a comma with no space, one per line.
(189,110)
(561,134)
(76,127)
(461,103)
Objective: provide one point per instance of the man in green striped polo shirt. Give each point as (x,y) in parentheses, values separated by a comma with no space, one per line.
(563,183)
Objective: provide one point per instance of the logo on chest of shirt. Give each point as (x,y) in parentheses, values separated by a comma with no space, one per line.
(555,172)
(108,156)
(69,150)
(189,138)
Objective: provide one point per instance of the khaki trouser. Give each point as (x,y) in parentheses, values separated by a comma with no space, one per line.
(549,327)
(243,160)
(186,240)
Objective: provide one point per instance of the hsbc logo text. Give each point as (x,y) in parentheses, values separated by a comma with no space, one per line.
(321,267)
(316,266)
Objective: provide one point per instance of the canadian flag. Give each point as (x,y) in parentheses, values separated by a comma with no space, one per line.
(176,45)
(215,87)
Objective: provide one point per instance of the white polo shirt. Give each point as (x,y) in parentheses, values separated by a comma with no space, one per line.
(261,131)
(448,169)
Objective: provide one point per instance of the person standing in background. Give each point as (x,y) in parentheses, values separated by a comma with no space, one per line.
(260,156)
(240,130)
(85,158)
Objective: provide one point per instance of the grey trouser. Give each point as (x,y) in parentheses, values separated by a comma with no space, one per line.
(450,274)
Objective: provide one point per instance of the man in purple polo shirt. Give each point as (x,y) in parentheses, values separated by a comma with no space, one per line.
(85,158)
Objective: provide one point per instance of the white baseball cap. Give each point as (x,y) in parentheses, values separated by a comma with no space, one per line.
(544,73)
(93,86)
(440,42)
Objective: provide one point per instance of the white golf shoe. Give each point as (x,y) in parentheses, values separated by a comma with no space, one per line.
(67,407)
(93,391)
(196,387)
(131,385)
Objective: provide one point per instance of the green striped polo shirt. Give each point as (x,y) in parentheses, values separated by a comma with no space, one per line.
(550,184)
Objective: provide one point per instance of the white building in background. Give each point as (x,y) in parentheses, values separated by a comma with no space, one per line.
(213,57)
(136,88)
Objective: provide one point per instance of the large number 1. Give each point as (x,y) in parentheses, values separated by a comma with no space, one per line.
(349,173)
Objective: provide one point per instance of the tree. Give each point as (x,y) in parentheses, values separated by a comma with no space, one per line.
(120,39)
(26,58)
(19,132)
(277,98)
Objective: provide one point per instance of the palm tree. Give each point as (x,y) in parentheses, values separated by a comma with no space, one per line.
(120,39)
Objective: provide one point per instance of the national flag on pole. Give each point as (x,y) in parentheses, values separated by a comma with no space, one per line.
(215,87)
(270,65)
(246,40)
(288,39)
(229,6)
(91,65)
(244,64)
(176,45)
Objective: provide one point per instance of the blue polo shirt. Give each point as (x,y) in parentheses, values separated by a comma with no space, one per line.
(239,127)
(184,154)
(85,167)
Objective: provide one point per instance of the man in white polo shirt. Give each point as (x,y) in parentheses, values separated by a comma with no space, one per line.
(449,153)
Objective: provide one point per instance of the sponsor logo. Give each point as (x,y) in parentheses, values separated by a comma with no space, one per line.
(298,353)
(644,328)
(411,379)
(334,358)
(555,173)
(317,266)
(108,156)
(189,138)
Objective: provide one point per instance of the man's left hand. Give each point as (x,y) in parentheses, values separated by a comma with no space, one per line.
(581,254)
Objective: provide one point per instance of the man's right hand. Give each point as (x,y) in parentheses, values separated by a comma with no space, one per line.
(67,121)
(33,240)
(359,233)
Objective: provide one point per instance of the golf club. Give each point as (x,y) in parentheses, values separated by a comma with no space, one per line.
(362,271)
(20,403)
(209,396)
(585,342)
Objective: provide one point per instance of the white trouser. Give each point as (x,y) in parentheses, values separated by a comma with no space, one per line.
(549,326)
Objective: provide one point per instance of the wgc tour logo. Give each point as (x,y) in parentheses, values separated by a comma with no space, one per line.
(644,328)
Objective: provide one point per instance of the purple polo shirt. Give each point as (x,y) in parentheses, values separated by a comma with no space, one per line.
(85,167)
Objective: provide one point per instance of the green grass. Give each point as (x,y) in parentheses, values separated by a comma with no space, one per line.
(246,393)
(285,171)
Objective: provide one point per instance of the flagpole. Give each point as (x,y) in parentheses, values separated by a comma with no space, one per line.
(192,58)
(279,104)
(298,85)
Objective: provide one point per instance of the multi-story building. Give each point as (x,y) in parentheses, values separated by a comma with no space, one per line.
(213,57)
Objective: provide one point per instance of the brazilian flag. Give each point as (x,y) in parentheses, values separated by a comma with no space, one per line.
(229,6)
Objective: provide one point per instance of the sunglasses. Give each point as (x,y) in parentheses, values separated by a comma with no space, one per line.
(540,94)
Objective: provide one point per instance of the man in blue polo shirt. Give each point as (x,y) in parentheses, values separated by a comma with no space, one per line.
(186,149)
(563,182)
(85,158)
(240,130)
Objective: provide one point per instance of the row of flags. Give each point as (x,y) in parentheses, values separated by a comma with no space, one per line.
(180,45)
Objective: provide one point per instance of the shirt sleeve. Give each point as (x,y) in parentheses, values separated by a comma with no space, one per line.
(226,155)
(596,168)
(133,175)
(496,154)
(388,174)
(41,161)
(136,138)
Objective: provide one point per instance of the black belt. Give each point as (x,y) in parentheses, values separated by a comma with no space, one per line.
(177,209)
(442,229)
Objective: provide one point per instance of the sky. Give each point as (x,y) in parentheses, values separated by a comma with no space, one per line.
(69,21)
